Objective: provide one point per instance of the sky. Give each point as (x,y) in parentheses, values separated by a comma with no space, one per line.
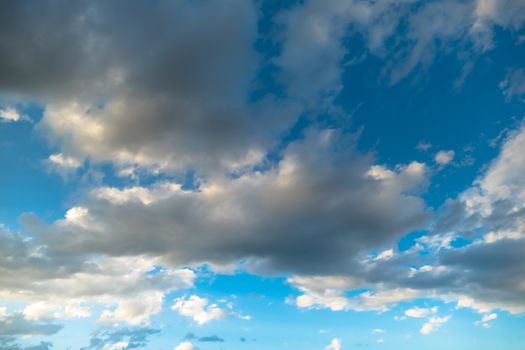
(261,174)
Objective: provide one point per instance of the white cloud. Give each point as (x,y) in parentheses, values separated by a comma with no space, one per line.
(486,320)
(329,292)
(433,324)
(10,115)
(385,255)
(121,345)
(418,312)
(185,346)
(198,309)
(124,285)
(46,310)
(335,344)
(63,161)
(444,157)
(136,310)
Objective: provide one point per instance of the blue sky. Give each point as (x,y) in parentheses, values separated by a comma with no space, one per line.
(314,175)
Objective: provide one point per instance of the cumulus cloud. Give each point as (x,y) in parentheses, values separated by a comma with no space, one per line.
(418,312)
(433,324)
(318,208)
(15,324)
(198,309)
(444,157)
(185,346)
(61,287)
(335,344)
(10,115)
(62,161)
(184,101)
(330,292)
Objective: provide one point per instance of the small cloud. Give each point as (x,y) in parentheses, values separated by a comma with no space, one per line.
(385,255)
(197,308)
(444,157)
(185,346)
(335,344)
(11,115)
(211,339)
(433,324)
(486,319)
(64,162)
(418,312)
(423,146)
(378,331)
(380,341)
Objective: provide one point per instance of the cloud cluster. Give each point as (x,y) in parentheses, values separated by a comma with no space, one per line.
(151,89)
(318,208)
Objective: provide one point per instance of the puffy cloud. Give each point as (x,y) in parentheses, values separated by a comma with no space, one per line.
(185,346)
(492,208)
(444,157)
(329,292)
(418,312)
(433,324)
(15,325)
(10,115)
(66,287)
(175,95)
(335,344)
(317,209)
(198,309)
(62,161)
(135,310)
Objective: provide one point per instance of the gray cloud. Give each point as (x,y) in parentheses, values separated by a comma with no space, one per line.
(133,337)
(322,204)
(206,339)
(514,83)
(15,325)
(151,87)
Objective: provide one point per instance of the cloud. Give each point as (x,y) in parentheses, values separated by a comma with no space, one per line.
(131,287)
(206,339)
(514,83)
(329,292)
(486,320)
(16,325)
(185,346)
(335,344)
(120,339)
(169,98)
(198,309)
(418,312)
(62,161)
(444,157)
(433,324)
(10,115)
